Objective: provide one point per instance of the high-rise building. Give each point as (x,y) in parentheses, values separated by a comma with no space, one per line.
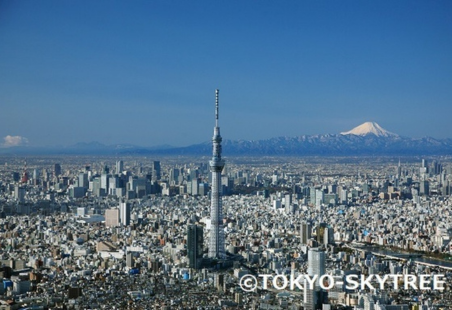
(287,200)
(156,175)
(195,239)
(111,217)
(446,188)
(319,198)
(119,166)
(343,196)
(124,209)
(113,184)
(316,262)
(130,261)
(57,170)
(96,188)
(174,176)
(328,235)
(424,167)
(313,298)
(83,180)
(104,182)
(424,188)
(203,189)
(195,187)
(216,243)
(305,232)
(35,174)
(320,232)
(19,193)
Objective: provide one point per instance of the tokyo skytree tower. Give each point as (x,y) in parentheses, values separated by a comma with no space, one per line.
(216,243)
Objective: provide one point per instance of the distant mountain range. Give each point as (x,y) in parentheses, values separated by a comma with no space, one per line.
(366,139)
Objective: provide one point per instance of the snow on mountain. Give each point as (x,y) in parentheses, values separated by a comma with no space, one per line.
(369,128)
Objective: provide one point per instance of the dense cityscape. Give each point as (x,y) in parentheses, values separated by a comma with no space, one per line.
(133,233)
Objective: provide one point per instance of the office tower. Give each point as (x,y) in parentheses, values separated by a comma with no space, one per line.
(343,196)
(219,283)
(424,163)
(156,171)
(104,178)
(328,235)
(193,174)
(130,261)
(174,176)
(111,217)
(15,176)
(312,192)
(124,209)
(216,244)
(195,187)
(443,177)
(287,200)
(119,166)
(316,262)
(44,175)
(438,168)
(195,239)
(113,184)
(365,188)
(424,188)
(305,232)
(319,198)
(83,180)
(96,188)
(189,188)
(320,232)
(424,167)
(57,170)
(19,193)
(35,174)
(203,189)
(313,298)
(446,189)
(332,189)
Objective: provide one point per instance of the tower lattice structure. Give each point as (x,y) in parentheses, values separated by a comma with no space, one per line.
(216,242)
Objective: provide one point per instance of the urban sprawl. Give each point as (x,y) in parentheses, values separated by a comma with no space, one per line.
(133,233)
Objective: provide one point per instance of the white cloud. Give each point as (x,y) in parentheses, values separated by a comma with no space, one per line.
(14,141)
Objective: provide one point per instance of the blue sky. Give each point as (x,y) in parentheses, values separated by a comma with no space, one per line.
(145,72)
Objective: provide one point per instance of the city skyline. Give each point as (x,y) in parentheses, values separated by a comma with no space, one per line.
(142,73)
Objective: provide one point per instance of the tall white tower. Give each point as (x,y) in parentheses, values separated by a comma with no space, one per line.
(216,243)
(124,213)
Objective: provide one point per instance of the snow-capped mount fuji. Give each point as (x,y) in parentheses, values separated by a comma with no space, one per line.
(368,139)
(369,128)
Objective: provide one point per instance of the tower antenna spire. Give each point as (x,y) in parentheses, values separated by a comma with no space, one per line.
(217,93)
